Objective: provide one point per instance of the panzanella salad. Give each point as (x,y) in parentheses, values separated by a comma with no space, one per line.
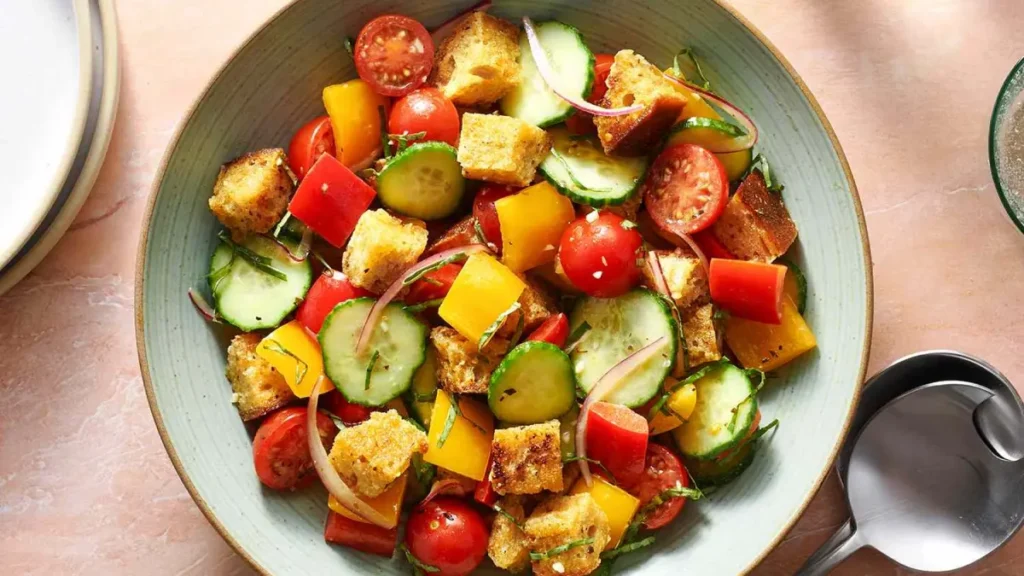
(513,293)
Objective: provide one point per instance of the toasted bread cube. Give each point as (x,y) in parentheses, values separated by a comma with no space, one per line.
(372,455)
(479,62)
(461,368)
(508,547)
(701,336)
(561,520)
(755,224)
(536,303)
(380,249)
(462,233)
(634,80)
(684,274)
(252,192)
(527,459)
(258,388)
(501,149)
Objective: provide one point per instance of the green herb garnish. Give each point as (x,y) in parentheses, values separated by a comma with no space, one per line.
(760,163)
(496,325)
(418,567)
(520,325)
(449,421)
(403,140)
(300,365)
(510,517)
(574,458)
(698,79)
(421,397)
(260,262)
(627,548)
(576,336)
(385,141)
(369,369)
(539,556)
(421,306)
(350,46)
(434,267)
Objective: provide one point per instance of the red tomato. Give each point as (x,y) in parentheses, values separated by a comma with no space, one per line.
(554,330)
(581,122)
(447,533)
(329,290)
(617,437)
(425,110)
(280,451)
(394,54)
(751,290)
(686,189)
(484,492)
(486,214)
(433,285)
(662,471)
(711,246)
(599,255)
(348,412)
(462,233)
(330,200)
(360,535)
(309,143)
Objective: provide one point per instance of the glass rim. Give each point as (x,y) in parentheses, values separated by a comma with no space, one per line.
(1018,220)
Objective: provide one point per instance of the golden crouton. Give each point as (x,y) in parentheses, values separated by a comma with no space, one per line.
(755,224)
(380,249)
(508,547)
(461,368)
(479,62)
(372,455)
(701,337)
(501,149)
(258,388)
(536,306)
(527,459)
(687,282)
(565,520)
(252,192)
(462,233)
(634,80)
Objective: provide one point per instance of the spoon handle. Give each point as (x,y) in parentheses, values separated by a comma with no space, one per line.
(844,542)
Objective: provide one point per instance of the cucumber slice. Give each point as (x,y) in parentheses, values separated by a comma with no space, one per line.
(246,296)
(399,344)
(579,169)
(424,389)
(531,100)
(619,327)
(736,163)
(726,405)
(423,181)
(795,285)
(708,473)
(709,133)
(534,383)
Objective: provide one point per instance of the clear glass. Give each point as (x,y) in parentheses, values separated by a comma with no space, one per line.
(1006,144)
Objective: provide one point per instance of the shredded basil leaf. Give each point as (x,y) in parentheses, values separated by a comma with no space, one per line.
(300,365)
(574,458)
(625,548)
(417,565)
(701,80)
(420,397)
(539,556)
(403,140)
(434,267)
(577,336)
(350,44)
(449,421)
(421,306)
(520,325)
(496,325)
(369,369)
(760,163)
(218,275)
(257,261)
(510,517)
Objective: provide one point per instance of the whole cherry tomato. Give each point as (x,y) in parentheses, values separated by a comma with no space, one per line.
(448,534)
(599,254)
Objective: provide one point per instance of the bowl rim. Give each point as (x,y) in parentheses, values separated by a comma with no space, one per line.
(140,265)
(993,129)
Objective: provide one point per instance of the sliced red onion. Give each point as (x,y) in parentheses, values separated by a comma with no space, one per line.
(204,307)
(369,160)
(740,143)
(378,308)
(329,476)
(448,26)
(692,244)
(448,486)
(661,285)
(540,56)
(605,386)
(301,251)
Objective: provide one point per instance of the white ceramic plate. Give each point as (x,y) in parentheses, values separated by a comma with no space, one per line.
(47,66)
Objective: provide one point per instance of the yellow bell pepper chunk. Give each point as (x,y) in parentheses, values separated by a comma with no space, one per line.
(695,105)
(679,406)
(388,504)
(482,291)
(468,446)
(532,222)
(296,355)
(355,114)
(769,346)
(618,505)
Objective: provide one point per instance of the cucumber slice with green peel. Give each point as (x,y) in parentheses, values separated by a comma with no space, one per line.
(619,327)
(532,100)
(580,170)
(796,284)
(397,348)
(423,181)
(708,473)
(713,134)
(255,284)
(534,383)
(423,391)
(725,410)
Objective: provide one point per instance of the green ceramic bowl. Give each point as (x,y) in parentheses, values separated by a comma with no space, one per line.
(272,86)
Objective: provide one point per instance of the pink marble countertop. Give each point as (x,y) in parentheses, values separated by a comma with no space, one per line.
(85,485)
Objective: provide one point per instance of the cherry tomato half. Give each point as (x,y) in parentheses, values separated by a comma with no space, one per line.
(280,451)
(309,143)
(599,254)
(662,471)
(394,54)
(686,189)
(447,533)
(348,412)
(486,214)
(329,290)
(581,122)
(426,110)
(554,330)
(433,285)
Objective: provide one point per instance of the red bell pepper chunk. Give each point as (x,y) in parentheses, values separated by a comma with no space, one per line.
(330,200)
(359,535)
(617,438)
(711,246)
(484,492)
(434,285)
(554,330)
(750,290)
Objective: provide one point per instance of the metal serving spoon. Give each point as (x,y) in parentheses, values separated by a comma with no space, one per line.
(925,488)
